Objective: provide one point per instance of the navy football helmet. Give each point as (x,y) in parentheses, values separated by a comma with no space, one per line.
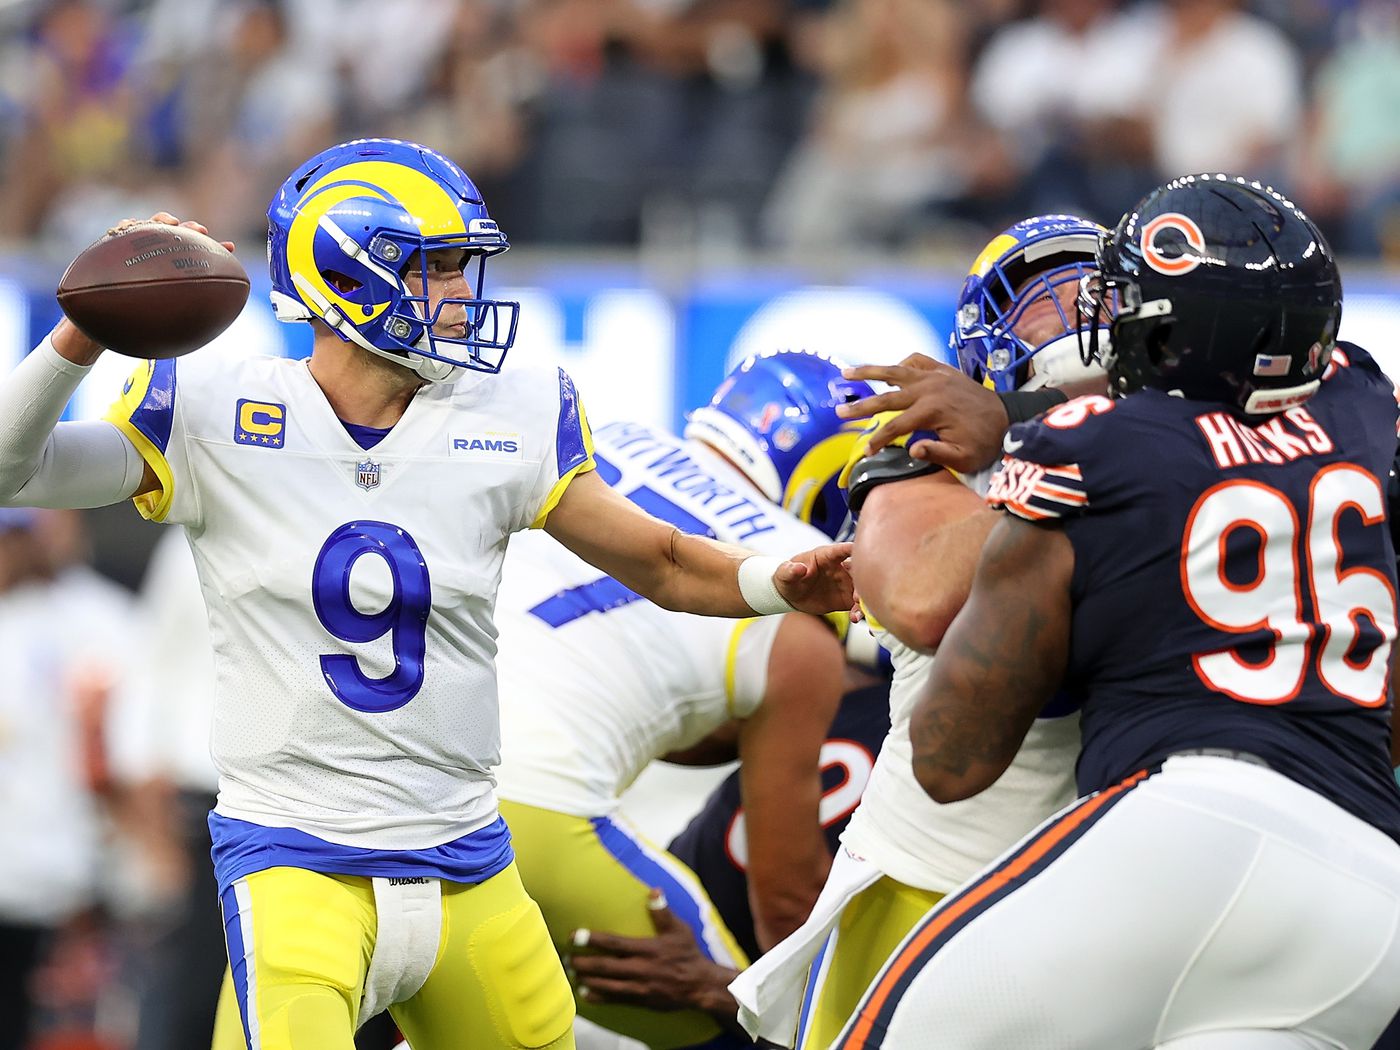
(349,224)
(1027,264)
(775,418)
(1226,292)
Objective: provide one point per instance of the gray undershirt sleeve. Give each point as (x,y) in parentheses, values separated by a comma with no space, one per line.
(45,463)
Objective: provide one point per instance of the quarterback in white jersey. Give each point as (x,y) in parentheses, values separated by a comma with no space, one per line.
(920,532)
(596,682)
(349,516)
(327,529)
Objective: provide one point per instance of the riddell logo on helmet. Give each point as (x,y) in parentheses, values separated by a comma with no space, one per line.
(1172,266)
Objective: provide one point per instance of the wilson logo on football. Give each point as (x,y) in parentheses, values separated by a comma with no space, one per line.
(1172,265)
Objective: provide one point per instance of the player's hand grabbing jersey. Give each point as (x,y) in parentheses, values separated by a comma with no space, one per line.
(1225,581)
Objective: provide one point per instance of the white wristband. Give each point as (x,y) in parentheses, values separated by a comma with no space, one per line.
(757,586)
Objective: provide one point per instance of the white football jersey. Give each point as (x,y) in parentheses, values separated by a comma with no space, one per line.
(934,846)
(350,592)
(595,681)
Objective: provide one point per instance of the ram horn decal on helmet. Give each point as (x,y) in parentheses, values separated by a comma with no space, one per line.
(1043,259)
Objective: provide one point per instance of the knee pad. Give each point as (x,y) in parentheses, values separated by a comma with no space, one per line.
(530,999)
(310,1016)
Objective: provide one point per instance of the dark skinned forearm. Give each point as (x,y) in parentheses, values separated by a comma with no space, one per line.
(1004,655)
(1394,739)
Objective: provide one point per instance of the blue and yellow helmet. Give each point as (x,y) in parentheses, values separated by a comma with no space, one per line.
(775,418)
(1025,264)
(348,225)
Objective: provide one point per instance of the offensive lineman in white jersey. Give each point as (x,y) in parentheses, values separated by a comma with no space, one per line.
(349,516)
(919,534)
(597,683)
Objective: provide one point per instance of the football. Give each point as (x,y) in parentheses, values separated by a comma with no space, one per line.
(154,290)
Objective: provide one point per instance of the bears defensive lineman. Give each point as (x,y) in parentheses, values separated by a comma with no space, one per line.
(1207,560)
(349,516)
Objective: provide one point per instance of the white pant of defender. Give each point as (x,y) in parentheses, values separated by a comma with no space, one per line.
(1213,905)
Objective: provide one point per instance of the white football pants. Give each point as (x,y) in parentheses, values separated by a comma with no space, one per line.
(1214,905)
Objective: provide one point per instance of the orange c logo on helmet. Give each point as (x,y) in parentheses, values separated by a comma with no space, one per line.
(1172,267)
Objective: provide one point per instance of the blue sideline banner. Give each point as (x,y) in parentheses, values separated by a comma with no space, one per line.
(639,352)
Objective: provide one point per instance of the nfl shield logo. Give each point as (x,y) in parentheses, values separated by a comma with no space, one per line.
(786,437)
(367,474)
(771,414)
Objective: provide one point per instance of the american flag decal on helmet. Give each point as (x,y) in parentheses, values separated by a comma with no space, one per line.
(1272,364)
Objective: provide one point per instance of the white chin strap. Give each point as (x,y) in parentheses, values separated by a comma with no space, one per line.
(724,434)
(1058,362)
(428,368)
(1267,402)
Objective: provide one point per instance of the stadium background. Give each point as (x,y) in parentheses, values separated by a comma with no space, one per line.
(684,181)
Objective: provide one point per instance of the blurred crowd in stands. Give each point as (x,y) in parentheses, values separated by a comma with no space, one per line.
(805,126)
(787,125)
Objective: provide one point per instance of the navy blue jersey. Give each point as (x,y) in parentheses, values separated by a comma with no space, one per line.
(713,843)
(1234,584)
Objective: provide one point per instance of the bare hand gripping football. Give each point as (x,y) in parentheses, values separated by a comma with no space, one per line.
(154,289)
